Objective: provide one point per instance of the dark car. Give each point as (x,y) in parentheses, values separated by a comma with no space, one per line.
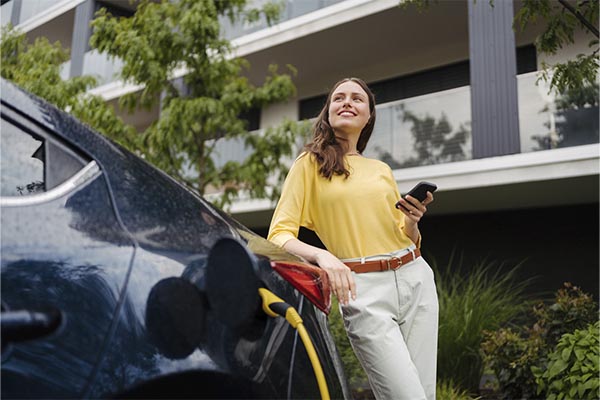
(117,281)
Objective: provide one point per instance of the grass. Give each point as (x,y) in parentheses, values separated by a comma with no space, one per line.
(484,296)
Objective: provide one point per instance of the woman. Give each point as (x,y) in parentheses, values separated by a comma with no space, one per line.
(390,308)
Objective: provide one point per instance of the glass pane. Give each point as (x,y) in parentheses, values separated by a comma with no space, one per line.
(291,10)
(230,149)
(548,121)
(21,162)
(65,70)
(30,8)
(101,66)
(6,12)
(298,8)
(424,130)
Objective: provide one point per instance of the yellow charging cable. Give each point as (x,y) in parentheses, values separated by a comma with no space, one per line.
(274,306)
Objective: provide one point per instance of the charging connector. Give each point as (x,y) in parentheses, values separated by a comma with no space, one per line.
(274,306)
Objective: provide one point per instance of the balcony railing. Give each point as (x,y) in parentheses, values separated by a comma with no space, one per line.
(29,9)
(96,64)
(101,66)
(429,129)
(292,9)
(436,128)
(230,149)
(6,12)
(548,121)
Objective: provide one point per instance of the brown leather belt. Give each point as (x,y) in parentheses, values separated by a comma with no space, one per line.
(383,265)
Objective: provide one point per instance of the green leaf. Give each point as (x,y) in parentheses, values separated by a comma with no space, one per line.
(557,367)
(585,377)
(573,391)
(592,384)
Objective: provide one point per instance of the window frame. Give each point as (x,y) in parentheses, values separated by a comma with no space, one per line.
(88,171)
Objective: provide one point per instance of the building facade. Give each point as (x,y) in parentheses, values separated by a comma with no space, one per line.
(459,104)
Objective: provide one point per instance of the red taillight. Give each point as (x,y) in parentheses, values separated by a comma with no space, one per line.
(311,281)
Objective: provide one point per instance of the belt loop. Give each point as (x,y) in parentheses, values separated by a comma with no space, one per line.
(362,260)
(412,251)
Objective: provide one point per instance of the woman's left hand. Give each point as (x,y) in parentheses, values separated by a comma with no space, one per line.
(413,209)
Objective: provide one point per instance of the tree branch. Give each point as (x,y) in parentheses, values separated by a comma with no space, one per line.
(580,17)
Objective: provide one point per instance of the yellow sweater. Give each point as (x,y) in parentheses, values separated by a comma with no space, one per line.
(354,217)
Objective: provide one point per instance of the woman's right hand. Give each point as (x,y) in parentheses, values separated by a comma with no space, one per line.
(340,276)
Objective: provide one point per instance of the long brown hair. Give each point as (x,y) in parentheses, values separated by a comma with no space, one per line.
(326,147)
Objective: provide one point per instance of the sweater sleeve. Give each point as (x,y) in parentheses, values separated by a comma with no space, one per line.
(292,209)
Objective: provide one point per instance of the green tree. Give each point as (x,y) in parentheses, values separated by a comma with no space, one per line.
(205,105)
(36,67)
(561,20)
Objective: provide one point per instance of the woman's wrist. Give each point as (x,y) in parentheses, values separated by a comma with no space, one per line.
(318,256)
(412,231)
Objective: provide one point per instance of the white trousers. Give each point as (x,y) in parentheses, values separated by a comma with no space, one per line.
(393,326)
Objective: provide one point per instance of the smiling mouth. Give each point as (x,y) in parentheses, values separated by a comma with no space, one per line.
(347,113)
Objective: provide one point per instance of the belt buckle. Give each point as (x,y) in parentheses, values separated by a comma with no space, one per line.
(389,263)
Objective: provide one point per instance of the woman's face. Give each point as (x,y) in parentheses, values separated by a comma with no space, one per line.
(349,109)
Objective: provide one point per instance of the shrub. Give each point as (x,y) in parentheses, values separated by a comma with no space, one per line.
(513,354)
(483,298)
(448,390)
(573,368)
(573,309)
(511,358)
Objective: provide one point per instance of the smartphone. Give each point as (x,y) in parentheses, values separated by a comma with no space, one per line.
(419,192)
